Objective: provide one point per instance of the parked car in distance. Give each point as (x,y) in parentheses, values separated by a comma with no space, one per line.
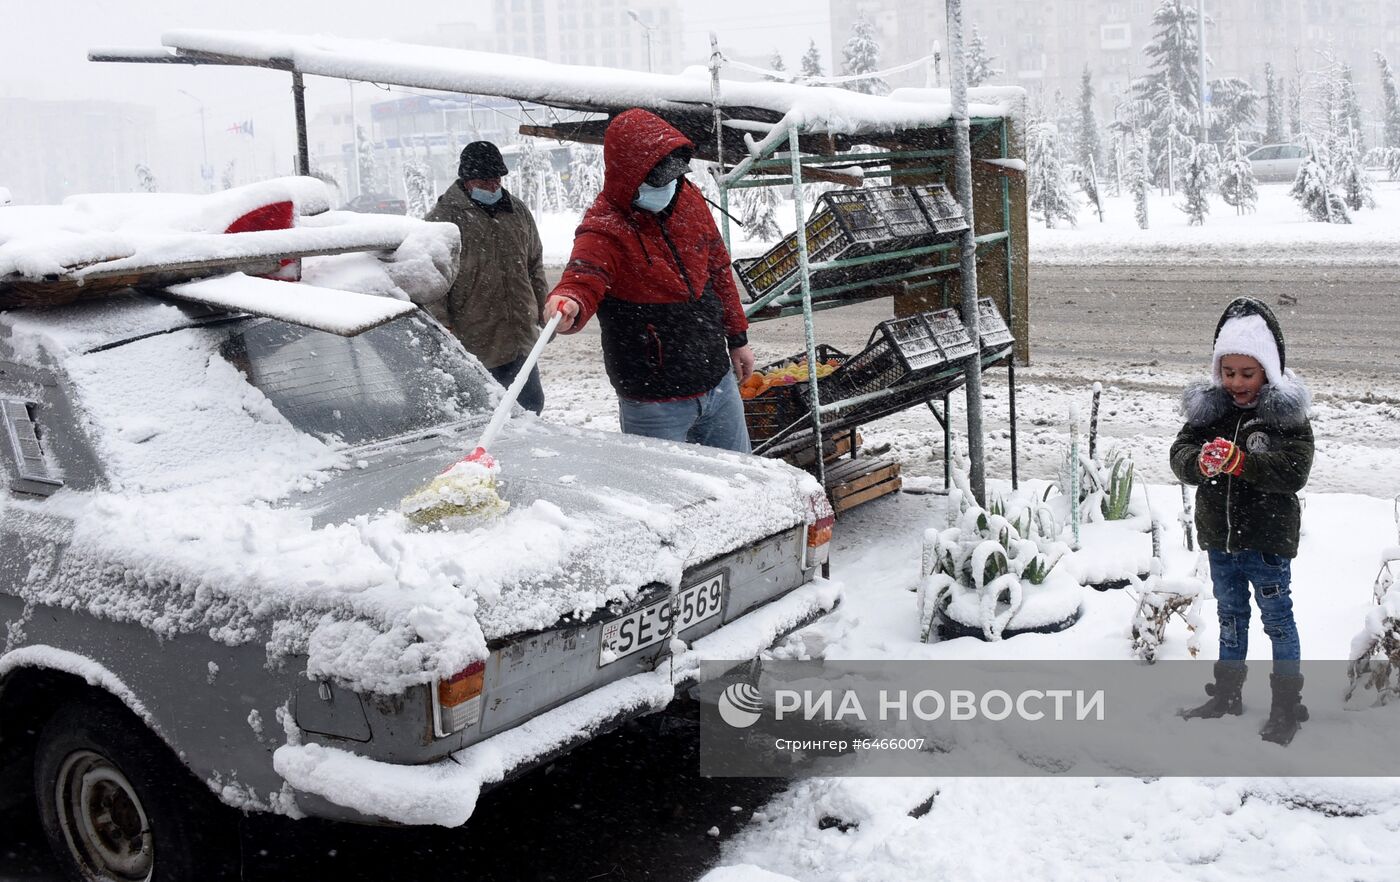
(377,203)
(1276,162)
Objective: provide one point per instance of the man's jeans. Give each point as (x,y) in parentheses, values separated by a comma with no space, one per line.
(715,419)
(1232,574)
(532,395)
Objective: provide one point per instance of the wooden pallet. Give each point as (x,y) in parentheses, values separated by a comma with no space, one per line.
(833,448)
(854,482)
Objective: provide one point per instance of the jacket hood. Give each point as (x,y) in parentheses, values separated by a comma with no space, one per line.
(636,140)
(1284,404)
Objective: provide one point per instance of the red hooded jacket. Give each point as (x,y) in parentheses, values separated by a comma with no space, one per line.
(660,283)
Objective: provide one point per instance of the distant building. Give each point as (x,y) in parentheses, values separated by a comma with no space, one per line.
(55,149)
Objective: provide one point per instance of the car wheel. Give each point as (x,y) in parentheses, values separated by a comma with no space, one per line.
(116,806)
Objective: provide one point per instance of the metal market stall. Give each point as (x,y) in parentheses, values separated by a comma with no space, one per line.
(908,239)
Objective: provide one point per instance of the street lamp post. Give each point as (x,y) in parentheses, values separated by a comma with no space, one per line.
(206,174)
(646,30)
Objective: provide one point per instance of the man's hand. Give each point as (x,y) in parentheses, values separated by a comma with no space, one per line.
(742,359)
(566,305)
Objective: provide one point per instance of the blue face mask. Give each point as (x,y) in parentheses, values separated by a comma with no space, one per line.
(654,199)
(487,197)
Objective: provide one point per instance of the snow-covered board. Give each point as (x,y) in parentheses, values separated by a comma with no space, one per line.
(338,312)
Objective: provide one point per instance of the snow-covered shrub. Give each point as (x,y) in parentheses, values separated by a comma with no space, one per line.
(1313,190)
(1353,179)
(1387,158)
(1105,486)
(1238,186)
(1139,179)
(1196,182)
(1375,651)
(145,178)
(993,572)
(419,186)
(1159,600)
(585,175)
(1047,175)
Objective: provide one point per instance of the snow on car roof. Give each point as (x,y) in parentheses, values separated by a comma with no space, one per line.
(579,87)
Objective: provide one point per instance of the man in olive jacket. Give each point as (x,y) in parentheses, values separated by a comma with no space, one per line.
(494,306)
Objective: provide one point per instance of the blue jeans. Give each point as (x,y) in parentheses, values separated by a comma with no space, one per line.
(1232,574)
(715,419)
(532,393)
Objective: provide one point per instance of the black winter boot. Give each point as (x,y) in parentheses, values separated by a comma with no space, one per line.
(1224,693)
(1287,710)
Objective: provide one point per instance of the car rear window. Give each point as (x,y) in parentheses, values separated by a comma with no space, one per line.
(396,379)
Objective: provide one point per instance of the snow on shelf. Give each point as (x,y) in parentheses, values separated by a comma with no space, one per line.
(585,88)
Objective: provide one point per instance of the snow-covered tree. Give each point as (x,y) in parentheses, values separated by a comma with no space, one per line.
(812,61)
(1390,102)
(145,179)
(418,185)
(1235,105)
(861,55)
(1273,107)
(1295,109)
(1088,150)
(585,175)
(1196,181)
(775,63)
(758,212)
(1313,190)
(1238,186)
(1351,176)
(1168,97)
(371,179)
(229,176)
(1387,158)
(979,62)
(539,187)
(1350,109)
(1139,177)
(1050,190)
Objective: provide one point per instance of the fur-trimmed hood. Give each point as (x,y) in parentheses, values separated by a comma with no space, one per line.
(1284,404)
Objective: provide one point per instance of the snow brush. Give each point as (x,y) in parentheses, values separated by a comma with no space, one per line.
(467,489)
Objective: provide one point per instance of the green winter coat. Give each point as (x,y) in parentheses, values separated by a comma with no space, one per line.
(495,303)
(1258,510)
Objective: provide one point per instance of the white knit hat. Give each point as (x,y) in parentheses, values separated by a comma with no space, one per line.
(1247,335)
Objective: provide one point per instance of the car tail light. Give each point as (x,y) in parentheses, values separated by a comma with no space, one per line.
(458,699)
(273,216)
(820,521)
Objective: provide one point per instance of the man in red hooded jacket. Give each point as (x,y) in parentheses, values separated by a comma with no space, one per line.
(650,263)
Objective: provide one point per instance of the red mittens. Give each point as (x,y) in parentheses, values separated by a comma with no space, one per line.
(1221,456)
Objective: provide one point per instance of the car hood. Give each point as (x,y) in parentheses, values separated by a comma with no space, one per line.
(593,517)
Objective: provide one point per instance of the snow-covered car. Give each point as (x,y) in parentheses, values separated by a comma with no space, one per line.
(211,598)
(1276,162)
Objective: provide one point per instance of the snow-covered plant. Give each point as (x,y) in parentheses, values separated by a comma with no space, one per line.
(1119,493)
(1273,107)
(1198,178)
(1047,174)
(1352,178)
(145,179)
(585,175)
(229,175)
(861,55)
(1088,150)
(1158,602)
(1167,99)
(1313,190)
(1387,158)
(1390,103)
(758,207)
(1375,651)
(1139,179)
(1349,109)
(775,63)
(1238,186)
(812,61)
(979,62)
(540,187)
(1234,105)
(418,186)
(986,559)
(371,177)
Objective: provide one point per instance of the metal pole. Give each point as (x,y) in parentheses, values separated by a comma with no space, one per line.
(1201,27)
(803,269)
(715,60)
(1010,310)
(962,151)
(206,174)
(353,173)
(299,99)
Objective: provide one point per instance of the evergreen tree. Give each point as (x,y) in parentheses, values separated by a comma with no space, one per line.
(1087,146)
(1295,110)
(1350,109)
(1139,177)
(418,185)
(1197,179)
(861,55)
(812,61)
(1351,176)
(1312,188)
(1238,186)
(775,63)
(1390,107)
(1168,97)
(540,188)
(1273,107)
(1048,179)
(979,63)
(230,174)
(758,212)
(145,179)
(585,175)
(370,177)
(1235,105)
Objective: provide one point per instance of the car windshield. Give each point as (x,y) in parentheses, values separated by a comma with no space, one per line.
(399,378)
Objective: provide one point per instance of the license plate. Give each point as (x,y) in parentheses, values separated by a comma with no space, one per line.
(662,620)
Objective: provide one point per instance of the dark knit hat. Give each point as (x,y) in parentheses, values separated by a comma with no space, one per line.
(676,163)
(481,160)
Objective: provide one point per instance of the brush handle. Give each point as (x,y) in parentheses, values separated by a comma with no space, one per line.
(498,419)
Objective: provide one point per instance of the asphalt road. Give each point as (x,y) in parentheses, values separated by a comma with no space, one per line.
(631,806)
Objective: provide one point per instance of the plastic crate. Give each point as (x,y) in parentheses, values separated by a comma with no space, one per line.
(899,350)
(944,213)
(991,327)
(950,334)
(908,224)
(780,406)
(779,263)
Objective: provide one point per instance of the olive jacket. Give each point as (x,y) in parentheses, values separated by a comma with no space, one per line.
(1259,509)
(494,305)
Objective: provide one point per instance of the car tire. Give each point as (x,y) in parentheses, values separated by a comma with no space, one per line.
(117,806)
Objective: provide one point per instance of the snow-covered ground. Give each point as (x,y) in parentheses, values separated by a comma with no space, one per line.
(1079,828)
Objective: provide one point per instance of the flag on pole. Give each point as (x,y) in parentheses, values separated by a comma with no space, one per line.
(242,128)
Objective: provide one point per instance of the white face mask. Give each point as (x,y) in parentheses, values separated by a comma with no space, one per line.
(486,197)
(654,199)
